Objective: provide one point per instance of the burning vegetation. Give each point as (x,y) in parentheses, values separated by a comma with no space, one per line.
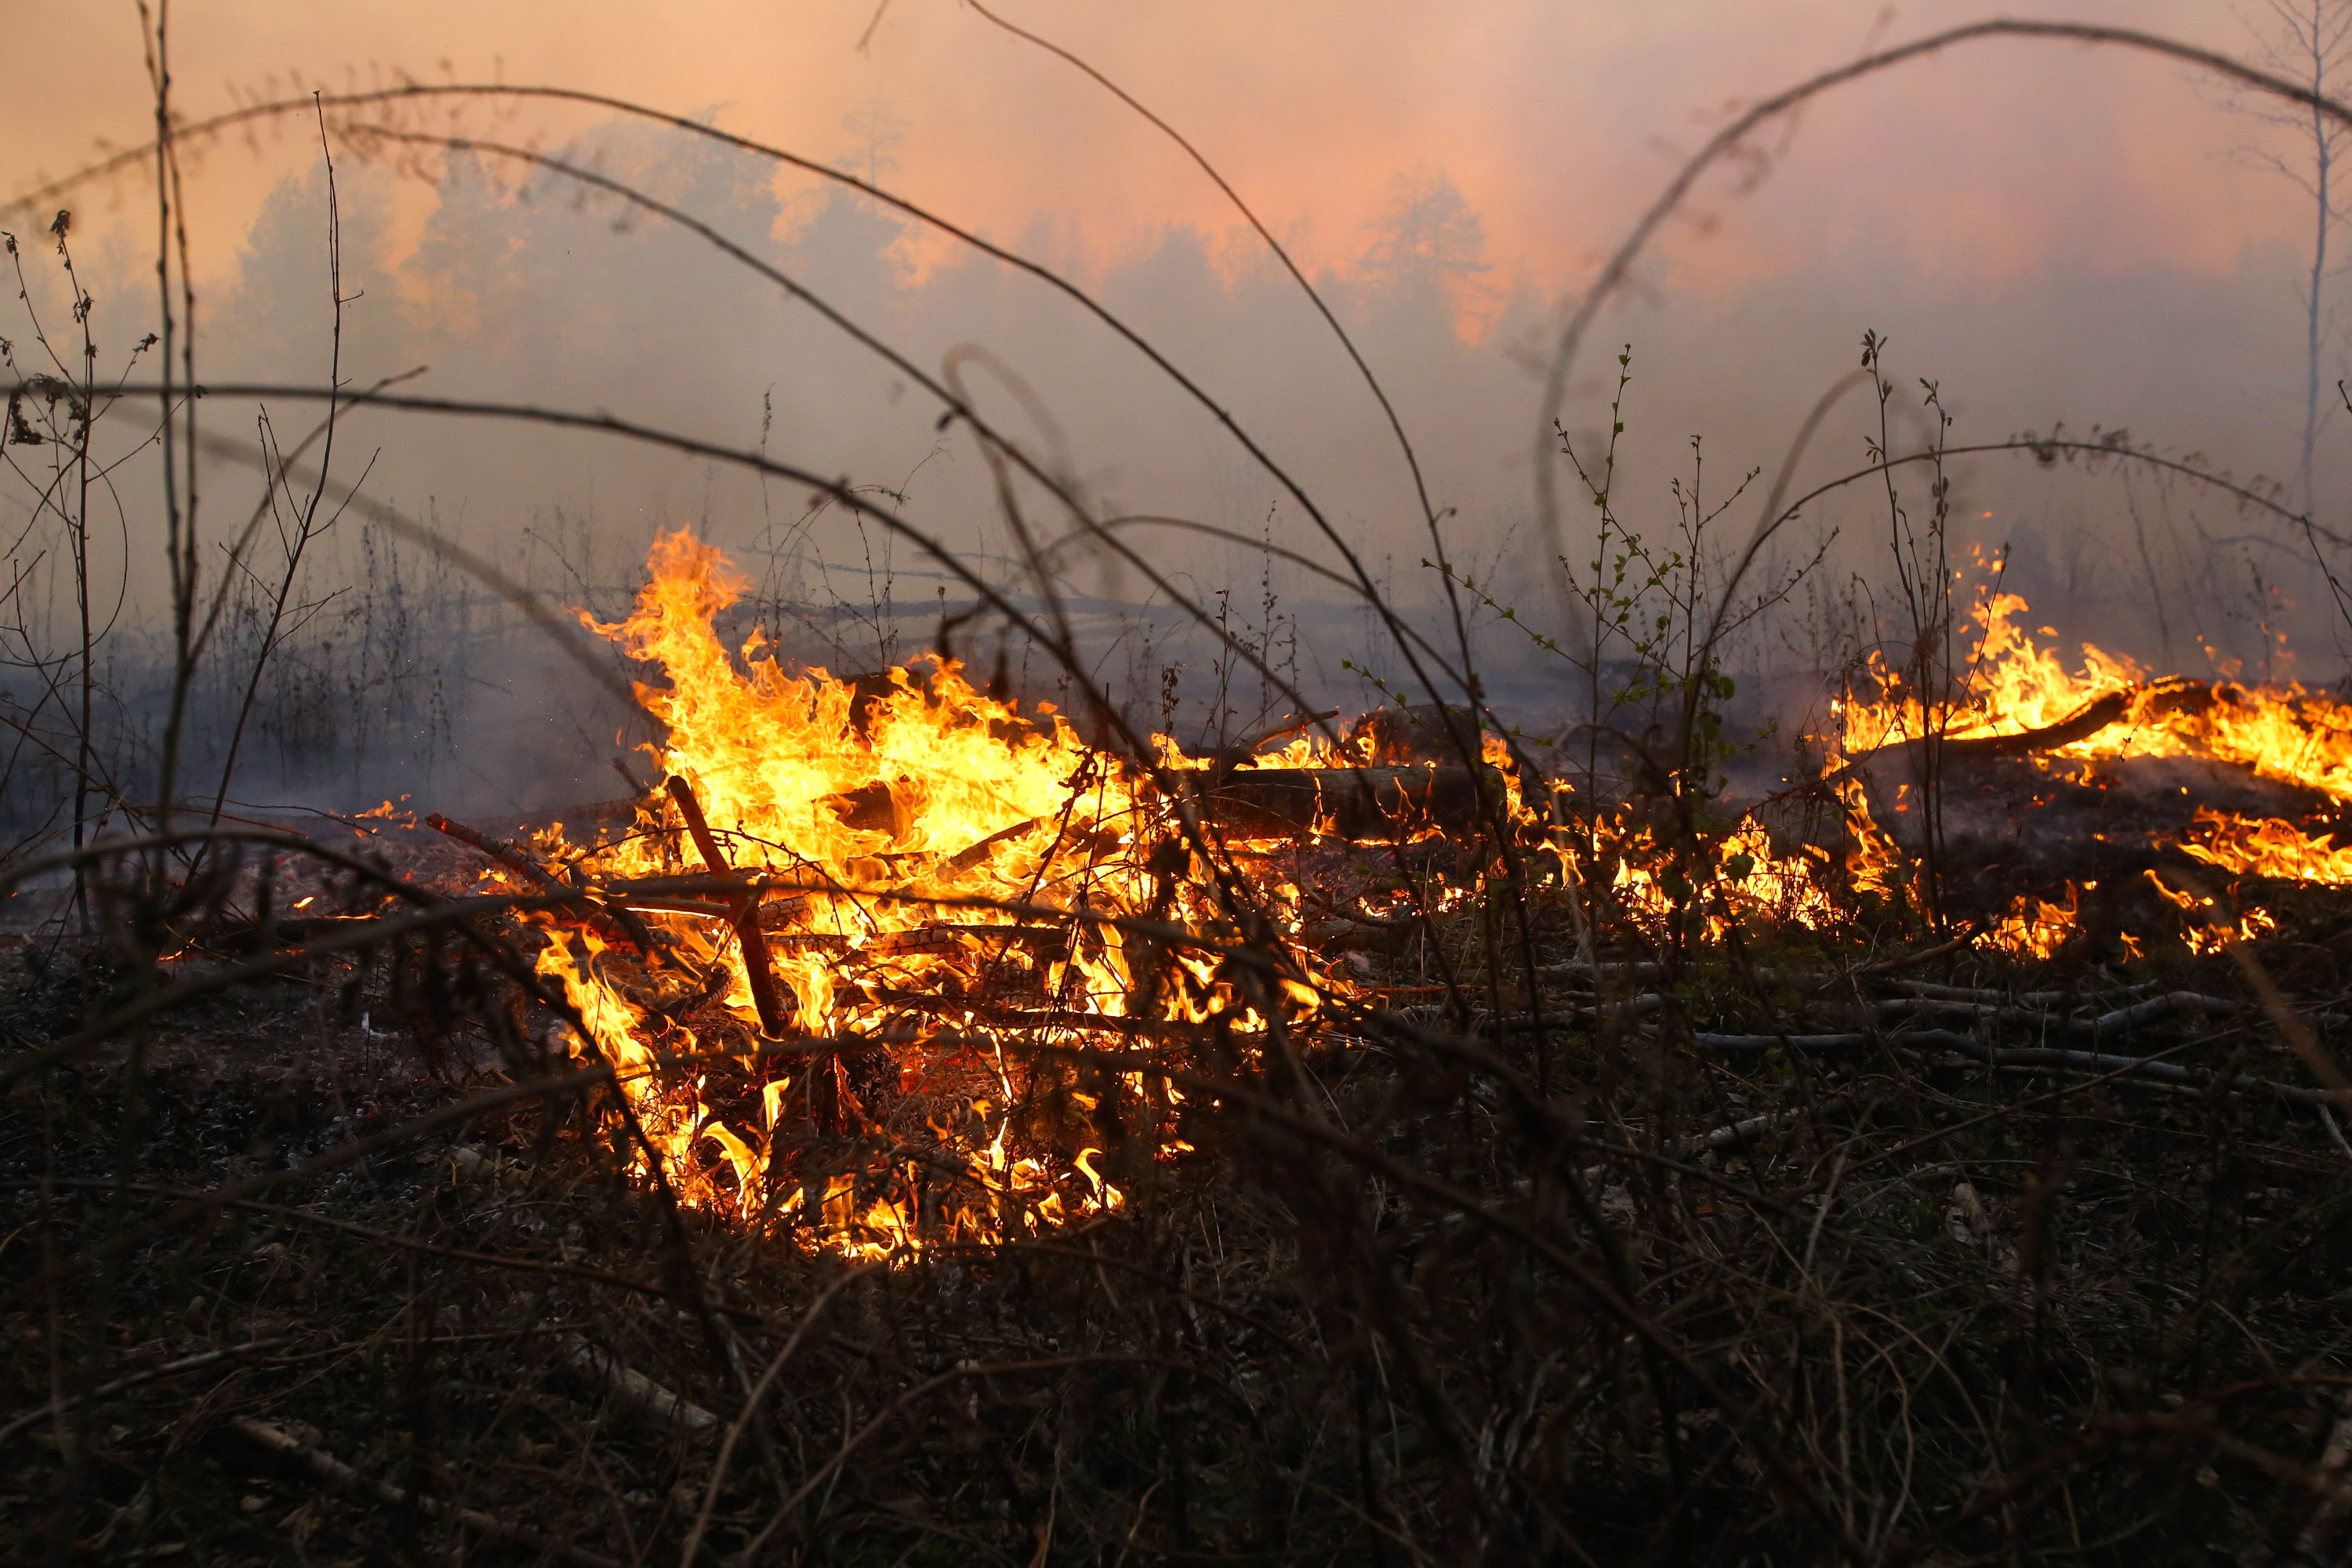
(890,964)
(1059,1116)
(894,963)
(927,1125)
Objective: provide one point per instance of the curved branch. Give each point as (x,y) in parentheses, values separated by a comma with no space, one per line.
(1620,265)
(419,91)
(1380,394)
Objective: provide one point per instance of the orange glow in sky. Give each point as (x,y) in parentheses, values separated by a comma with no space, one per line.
(1555,120)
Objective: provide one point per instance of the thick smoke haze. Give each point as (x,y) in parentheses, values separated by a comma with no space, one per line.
(2051,235)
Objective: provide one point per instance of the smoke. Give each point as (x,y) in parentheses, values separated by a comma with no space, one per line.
(502,282)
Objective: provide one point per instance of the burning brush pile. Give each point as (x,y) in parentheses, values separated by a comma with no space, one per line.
(2040,809)
(892,963)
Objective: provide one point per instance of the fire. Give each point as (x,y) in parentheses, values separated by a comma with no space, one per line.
(941,884)
(1877,861)
(2035,928)
(1747,882)
(870,967)
(2206,924)
(2266,847)
(2013,685)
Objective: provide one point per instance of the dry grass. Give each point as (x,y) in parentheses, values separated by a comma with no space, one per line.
(1399,1304)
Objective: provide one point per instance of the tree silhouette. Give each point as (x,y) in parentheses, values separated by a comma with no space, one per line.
(1430,237)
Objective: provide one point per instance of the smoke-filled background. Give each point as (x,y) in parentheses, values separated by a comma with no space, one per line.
(2050,234)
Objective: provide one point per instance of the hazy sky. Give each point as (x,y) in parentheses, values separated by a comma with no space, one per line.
(2050,231)
(1555,119)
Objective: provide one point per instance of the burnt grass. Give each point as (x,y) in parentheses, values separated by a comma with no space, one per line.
(1440,1283)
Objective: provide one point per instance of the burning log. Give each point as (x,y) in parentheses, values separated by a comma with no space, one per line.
(713,986)
(2137,704)
(805,940)
(964,861)
(943,938)
(691,894)
(760,977)
(1417,732)
(1042,1019)
(507,855)
(1238,753)
(871,808)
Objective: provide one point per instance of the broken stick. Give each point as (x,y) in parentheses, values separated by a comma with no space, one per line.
(745,912)
(337,1474)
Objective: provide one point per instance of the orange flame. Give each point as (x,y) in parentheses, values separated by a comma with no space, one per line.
(2012,685)
(945,884)
(956,874)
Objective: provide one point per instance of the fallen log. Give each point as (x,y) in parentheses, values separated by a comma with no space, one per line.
(2139,704)
(1417,732)
(1361,804)
(1739,1132)
(57,1407)
(1237,754)
(1847,1042)
(2109,1025)
(630,1387)
(2049,1057)
(1935,993)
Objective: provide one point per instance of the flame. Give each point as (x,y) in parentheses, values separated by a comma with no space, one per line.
(2206,924)
(2267,847)
(2035,928)
(2012,684)
(1876,862)
(1746,881)
(941,883)
(944,886)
